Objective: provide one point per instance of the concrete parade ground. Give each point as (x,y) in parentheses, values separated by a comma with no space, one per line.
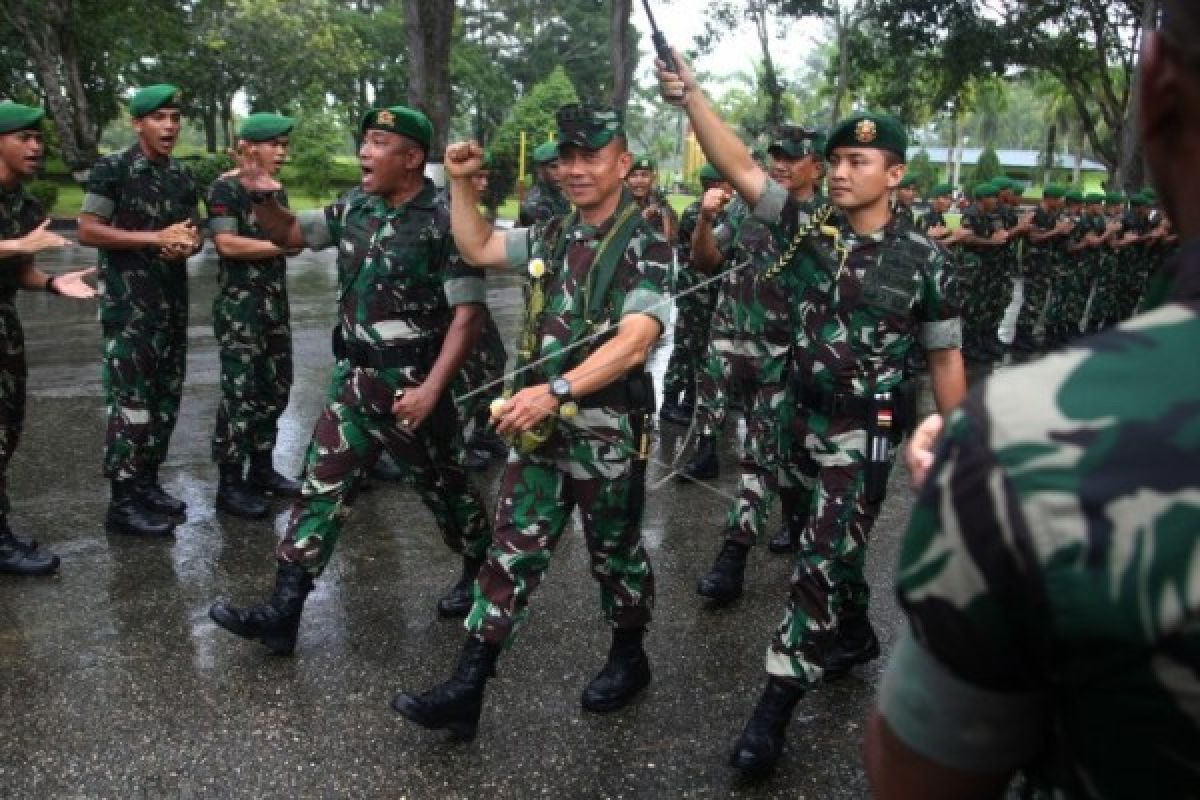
(115,684)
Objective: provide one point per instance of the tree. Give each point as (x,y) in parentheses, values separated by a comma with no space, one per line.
(925,174)
(987,167)
(532,115)
(622,51)
(429,27)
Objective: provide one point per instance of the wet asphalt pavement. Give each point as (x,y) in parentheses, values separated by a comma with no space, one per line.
(115,683)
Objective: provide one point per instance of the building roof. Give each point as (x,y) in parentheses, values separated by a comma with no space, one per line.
(1021,159)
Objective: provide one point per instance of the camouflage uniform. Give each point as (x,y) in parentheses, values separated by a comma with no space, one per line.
(484,367)
(1041,266)
(254,335)
(1133,270)
(1079,274)
(931,219)
(982,268)
(589,460)
(693,312)
(143,308)
(542,203)
(399,276)
(1047,571)
(19,214)
(863,302)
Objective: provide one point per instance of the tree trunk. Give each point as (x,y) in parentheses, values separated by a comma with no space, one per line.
(774,91)
(842,27)
(956,149)
(620,53)
(209,118)
(429,28)
(1131,172)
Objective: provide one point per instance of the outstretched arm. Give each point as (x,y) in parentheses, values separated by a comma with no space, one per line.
(478,242)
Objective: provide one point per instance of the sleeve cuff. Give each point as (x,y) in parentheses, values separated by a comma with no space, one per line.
(315,229)
(98,204)
(460,291)
(222,224)
(652,304)
(945,334)
(770,204)
(953,722)
(516,247)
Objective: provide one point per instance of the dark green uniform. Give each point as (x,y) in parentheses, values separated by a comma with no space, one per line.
(254,335)
(143,308)
(983,273)
(1042,264)
(19,214)
(399,277)
(693,313)
(542,203)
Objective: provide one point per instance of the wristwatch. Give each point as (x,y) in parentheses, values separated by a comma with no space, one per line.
(560,389)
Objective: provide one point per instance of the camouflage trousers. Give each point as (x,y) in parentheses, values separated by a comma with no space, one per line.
(827,582)
(142,370)
(254,342)
(715,381)
(537,495)
(1076,281)
(351,433)
(693,317)
(12,395)
(1039,279)
(484,366)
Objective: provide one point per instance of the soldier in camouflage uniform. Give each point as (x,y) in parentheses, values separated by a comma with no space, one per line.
(254,335)
(600,271)
(642,181)
(1132,248)
(409,311)
(23,234)
(139,209)
(982,245)
(933,222)
(1048,567)
(1047,240)
(906,195)
(1087,272)
(693,312)
(545,200)
(867,290)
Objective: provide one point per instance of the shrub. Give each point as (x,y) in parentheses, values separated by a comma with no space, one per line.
(45,192)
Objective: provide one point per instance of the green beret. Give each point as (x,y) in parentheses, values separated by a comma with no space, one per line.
(402,120)
(151,98)
(589,127)
(1114,198)
(1094,197)
(942,190)
(16,117)
(983,190)
(878,131)
(795,141)
(1139,200)
(1002,182)
(1074,196)
(1054,191)
(708,174)
(262,127)
(907,182)
(644,162)
(545,153)
(1150,194)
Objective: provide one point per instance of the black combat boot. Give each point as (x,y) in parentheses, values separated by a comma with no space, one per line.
(761,742)
(793,522)
(458,601)
(153,496)
(456,704)
(20,557)
(704,465)
(673,412)
(235,497)
(276,622)
(626,673)
(263,477)
(723,583)
(127,515)
(855,644)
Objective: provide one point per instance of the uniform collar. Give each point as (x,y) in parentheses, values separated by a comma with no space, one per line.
(424,200)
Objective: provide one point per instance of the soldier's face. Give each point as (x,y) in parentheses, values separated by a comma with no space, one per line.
(941,204)
(387,161)
(158,131)
(480,181)
(640,182)
(591,177)
(270,154)
(906,196)
(860,177)
(796,174)
(21,152)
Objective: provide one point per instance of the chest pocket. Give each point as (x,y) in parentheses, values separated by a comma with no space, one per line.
(890,284)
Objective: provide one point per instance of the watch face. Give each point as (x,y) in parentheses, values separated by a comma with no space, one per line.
(560,387)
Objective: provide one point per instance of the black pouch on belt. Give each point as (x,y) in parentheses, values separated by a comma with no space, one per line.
(880,433)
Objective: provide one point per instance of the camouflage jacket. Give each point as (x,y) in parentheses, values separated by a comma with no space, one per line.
(1050,570)
(1044,220)
(864,302)
(19,214)
(230,211)
(399,272)
(687,277)
(931,219)
(543,203)
(129,191)
(660,212)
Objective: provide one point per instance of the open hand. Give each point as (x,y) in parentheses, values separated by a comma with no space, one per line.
(919,454)
(250,172)
(39,239)
(71,284)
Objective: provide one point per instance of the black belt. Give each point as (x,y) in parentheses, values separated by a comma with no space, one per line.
(834,404)
(630,393)
(388,356)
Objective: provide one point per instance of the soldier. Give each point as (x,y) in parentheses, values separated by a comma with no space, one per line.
(597,302)
(1047,240)
(1043,566)
(409,312)
(693,311)
(982,241)
(1088,274)
(545,199)
(1008,200)
(906,195)
(1133,245)
(642,181)
(23,234)
(867,288)
(139,209)
(251,323)
(933,222)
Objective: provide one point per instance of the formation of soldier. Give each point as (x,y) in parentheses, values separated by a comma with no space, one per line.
(810,308)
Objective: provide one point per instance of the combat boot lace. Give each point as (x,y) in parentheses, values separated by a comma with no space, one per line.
(276,622)
(723,583)
(761,743)
(704,465)
(235,497)
(18,557)
(458,601)
(456,704)
(626,673)
(126,514)
(263,477)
